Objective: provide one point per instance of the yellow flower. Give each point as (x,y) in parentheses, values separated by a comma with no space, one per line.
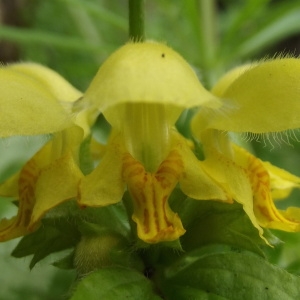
(259,98)
(142,89)
(35,100)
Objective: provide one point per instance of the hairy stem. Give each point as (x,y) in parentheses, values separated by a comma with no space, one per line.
(136,20)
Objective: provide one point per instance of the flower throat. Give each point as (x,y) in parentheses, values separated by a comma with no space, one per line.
(146,133)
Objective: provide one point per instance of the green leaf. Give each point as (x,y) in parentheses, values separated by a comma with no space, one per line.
(100,13)
(115,283)
(37,36)
(221,273)
(240,15)
(54,235)
(279,22)
(209,222)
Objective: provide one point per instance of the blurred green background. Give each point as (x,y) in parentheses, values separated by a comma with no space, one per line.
(73,37)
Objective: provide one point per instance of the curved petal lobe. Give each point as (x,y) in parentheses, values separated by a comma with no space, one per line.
(263,98)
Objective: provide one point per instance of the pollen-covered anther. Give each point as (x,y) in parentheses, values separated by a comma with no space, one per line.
(155,220)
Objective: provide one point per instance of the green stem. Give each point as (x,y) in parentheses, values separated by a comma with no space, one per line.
(136,20)
(209,42)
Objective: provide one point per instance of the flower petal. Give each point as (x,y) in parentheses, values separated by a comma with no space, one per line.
(51,155)
(292,214)
(104,186)
(194,182)
(59,174)
(228,170)
(17,226)
(9,188)
(60,89)
(30,103)
(264,98)
(264,208)
(282,182)
(55,184)
(227,80)
(155,220)
(146,72)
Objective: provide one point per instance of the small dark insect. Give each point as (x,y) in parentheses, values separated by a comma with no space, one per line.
(162,55)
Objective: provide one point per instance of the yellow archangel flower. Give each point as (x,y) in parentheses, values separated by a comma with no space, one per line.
(35,100)
(261,98)
(142,89)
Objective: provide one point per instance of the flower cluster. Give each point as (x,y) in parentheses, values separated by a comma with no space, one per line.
(141,90)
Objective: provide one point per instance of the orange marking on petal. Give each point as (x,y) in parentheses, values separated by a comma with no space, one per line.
(17,226)
(150,192)
(146,221)
(263,204)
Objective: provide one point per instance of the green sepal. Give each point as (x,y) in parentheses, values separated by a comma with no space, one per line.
(102,247)
(223,272)
(65,263)
(91,229)
(115,283)
(174,245)
(112,217)
(55,234)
